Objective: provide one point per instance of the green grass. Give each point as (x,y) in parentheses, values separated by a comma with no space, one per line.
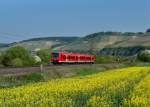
(85,71)
(54,73)
(143,64)
(10,81)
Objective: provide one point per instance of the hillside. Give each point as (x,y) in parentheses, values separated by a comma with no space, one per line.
(123,51)
(40,43)
(96,42)
(99,41)
(3,45)
(102,42)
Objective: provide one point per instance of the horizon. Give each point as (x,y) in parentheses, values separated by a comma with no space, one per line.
(68,36)
(25,19)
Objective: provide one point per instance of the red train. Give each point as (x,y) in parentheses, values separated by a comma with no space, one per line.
(65,57)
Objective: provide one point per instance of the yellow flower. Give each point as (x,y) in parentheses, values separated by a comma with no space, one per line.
(104,89)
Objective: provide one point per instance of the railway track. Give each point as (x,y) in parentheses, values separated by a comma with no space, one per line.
(25,70)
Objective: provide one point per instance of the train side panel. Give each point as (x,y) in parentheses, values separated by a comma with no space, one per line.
(64,57)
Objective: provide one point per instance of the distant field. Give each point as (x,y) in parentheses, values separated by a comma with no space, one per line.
(113,88)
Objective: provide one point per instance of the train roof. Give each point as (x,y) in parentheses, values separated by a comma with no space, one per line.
(73,53)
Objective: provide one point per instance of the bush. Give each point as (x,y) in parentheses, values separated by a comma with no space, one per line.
(44,55)
(1,61)
(105,59)
(17,62)
(144,56)
(148,30)
(17,56)
(37,60)
(109,58)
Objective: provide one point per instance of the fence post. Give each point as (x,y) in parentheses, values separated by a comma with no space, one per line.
(41,67)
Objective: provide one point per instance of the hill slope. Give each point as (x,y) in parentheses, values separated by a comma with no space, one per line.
(90,43)
(43,42)
(3,45)
(100,41)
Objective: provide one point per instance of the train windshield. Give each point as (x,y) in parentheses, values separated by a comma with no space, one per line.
(55,55)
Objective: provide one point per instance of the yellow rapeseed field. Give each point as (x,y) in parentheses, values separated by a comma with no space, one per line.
(113,88)
(140,96)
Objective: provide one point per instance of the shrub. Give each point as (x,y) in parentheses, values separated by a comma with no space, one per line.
(1,61)
(44,55)
(37,60)
(148,30)
(144,56)
(17,53)
(108,58)
(17,62)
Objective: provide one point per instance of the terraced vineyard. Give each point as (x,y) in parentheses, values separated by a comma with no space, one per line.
(114,88)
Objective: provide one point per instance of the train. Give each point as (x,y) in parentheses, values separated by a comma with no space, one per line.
(71,58)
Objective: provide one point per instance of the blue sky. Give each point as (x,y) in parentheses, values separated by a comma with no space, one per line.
(22,19)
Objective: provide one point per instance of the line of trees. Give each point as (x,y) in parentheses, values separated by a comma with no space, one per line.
(18,57)
(116,33)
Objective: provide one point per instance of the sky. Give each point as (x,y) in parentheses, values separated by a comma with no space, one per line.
(23,19)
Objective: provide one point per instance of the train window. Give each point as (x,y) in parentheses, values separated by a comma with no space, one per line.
(76,58)
(55,55)
(63,57)
(80,57)
(72,57)
(68,57)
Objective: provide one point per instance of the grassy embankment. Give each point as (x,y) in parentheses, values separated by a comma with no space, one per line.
(54,73)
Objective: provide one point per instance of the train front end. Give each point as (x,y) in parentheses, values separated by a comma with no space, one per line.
(55,57)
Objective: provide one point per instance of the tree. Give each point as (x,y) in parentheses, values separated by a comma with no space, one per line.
(148,30)
(17,53)
(17,62)
(129,33)
(144,56)
(0,60)
(44,54)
